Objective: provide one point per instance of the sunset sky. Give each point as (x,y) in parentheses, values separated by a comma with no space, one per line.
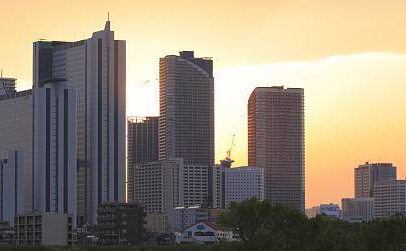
(349,55)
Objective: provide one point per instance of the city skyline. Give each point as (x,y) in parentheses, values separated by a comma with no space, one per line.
(360,87)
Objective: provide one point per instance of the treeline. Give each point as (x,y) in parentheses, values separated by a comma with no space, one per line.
(281,228)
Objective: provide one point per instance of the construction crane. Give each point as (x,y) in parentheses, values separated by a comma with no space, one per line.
(228,161)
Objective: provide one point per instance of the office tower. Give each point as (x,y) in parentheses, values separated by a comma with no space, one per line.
(7,86)
(276,142)
(55,149)
(196,184)
(390,198)
(358,209)
(16,127)
(40,125)
(95,69)
(186,103)
(237,184)
(11,187)
(142,145)
(366,176)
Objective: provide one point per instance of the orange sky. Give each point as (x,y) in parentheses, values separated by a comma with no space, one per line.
(349,55)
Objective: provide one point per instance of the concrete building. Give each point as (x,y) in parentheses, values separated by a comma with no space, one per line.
(367,175)
(43,229)
(182,217)
(276,142)
(330,210)
(158,186)
(12,193)
(142,145)
(96,69)
(357,210)
(196,182)
(390,198)
(237,184)
(205,232)
(121,224)
(7,86)
(157,223)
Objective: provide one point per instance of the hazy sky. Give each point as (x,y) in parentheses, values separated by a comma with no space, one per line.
(349,55)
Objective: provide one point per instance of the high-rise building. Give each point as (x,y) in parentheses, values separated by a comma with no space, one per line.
(186,102)
(367,175)
(390,198)
(7,86)
(12,193)
(142,145)
(40,125)
(276,142)
(96,69)
(237,184)
(357,210)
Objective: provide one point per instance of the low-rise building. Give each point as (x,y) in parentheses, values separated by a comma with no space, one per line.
(183,217)
(43,229)
(157,223)
(121,224)
(330,210)
(357,210)
(205,232)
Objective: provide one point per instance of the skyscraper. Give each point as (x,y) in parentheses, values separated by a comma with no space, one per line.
(186,102)
(95,69)
(367,175)
(276,142)
(142,145)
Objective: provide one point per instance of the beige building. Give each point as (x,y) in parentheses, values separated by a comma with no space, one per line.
(276,142)
(367,175)
(43,229)
(390,198)
(358,209)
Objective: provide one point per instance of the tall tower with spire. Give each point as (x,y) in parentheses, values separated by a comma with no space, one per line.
(96,69)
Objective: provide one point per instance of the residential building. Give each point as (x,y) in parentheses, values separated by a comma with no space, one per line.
(237,184)
(196,182)
(367,175)
(142,145)
(12,193)
(276,142)
(356,210)
(390,198)
(121,224)
(43,229)
(96,69)
(182,217)
(186,105)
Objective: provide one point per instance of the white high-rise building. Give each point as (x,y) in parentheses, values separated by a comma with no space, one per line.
(237,184)
(390,198)
(96,69)
(39,126)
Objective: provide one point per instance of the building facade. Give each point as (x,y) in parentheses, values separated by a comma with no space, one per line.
(390,198)
(121,224)
(7,86)
(330,210)
(95,68)
(356,210)
(142,145)
(276,142)
(237,184)
(367,175)
(43,229)
(186,104)
(182,217)
(12,193)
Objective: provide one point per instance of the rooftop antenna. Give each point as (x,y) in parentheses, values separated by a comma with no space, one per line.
(108,16)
